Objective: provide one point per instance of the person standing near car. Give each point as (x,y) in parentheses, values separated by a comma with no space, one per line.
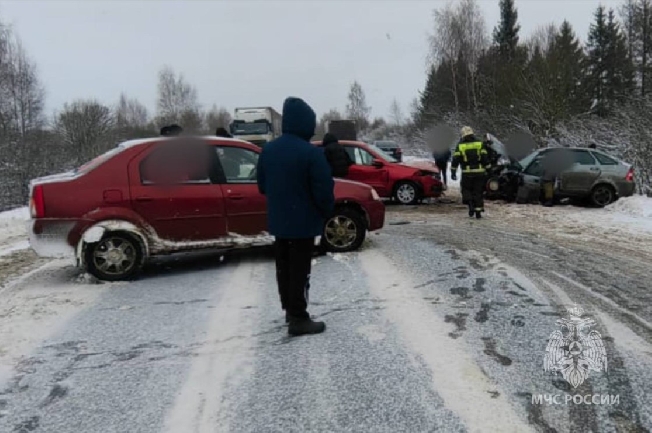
(173,130)
(295,177)
(222,132)
(471,155)
(442,157)
(336,155)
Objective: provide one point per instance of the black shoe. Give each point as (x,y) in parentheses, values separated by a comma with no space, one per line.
(478,214)
(548,204)
(305,327)
(471,212)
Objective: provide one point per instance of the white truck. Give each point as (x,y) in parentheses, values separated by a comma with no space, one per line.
(257,125)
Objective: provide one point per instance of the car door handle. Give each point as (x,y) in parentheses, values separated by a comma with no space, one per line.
(143,198)
(236,196)
(594,169)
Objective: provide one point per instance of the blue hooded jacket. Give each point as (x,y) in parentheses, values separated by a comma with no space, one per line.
(295,177)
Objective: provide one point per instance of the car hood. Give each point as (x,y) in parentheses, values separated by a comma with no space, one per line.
(345,188)
(420,164)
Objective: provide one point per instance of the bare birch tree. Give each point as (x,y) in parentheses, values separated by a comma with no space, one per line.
(86,129)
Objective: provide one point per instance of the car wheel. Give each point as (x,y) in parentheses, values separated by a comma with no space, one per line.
(406,193)
(602,195)
(492,190)
(344,231)
(117,256)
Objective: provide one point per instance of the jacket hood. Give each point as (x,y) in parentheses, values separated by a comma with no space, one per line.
(298,118)
(329,138)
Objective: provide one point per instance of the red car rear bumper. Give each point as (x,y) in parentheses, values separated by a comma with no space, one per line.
(376,213)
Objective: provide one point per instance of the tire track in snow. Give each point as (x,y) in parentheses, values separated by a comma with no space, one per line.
(201,401)
(465,389)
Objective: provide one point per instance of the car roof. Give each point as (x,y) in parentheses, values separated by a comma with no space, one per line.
(360,143)
(142,141)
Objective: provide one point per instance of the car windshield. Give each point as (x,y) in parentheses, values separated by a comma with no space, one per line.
(250,128)
(384,155)
(528,159)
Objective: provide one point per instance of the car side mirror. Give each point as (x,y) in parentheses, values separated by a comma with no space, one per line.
(378,163)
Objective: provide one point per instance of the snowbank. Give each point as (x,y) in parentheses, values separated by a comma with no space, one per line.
(13,230)
(21,213)
(636,206)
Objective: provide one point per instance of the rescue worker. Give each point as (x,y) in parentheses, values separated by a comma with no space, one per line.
(337,157)
(471,155)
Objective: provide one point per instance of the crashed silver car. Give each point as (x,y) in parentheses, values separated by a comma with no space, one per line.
(588,174)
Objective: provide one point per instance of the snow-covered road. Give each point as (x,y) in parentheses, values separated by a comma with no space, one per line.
(439,324)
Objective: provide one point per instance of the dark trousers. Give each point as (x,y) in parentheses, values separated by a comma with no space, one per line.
(473,191)
(442,165)
(293,263)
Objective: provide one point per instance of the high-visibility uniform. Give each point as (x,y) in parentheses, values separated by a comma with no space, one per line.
(472,156)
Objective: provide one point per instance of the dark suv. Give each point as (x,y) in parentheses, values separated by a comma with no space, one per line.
(390,147)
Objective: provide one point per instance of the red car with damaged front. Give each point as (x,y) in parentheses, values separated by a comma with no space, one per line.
(405,182)
(163,195)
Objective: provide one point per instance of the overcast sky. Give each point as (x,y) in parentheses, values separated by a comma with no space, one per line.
(248,52)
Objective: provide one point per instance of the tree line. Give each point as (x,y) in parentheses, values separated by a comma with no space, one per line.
(34,144)
(550,84)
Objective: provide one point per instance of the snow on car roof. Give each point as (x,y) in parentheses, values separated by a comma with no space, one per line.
(140,141)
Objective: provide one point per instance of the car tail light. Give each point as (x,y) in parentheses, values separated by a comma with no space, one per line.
(630,175)
(399,150)
(37,202)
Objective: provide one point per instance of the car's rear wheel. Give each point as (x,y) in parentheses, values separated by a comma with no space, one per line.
(602,195)
(344,231)
(117,256)
(407,193)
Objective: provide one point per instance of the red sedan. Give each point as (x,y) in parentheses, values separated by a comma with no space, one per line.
(390,178)
(162,195)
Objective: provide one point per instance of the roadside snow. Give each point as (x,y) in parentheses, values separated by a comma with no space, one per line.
(636,206)
(13,230)
(16,246)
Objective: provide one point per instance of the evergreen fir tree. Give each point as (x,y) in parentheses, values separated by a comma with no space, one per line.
(506,33)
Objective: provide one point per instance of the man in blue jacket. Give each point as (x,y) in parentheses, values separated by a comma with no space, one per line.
(296,179)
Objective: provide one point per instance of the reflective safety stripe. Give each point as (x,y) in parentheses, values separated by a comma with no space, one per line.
(473,170)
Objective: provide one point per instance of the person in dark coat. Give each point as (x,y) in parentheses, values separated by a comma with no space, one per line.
(222,132)
(295,177)
(336,155)
(171,130)
(441,161)
(175,130)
